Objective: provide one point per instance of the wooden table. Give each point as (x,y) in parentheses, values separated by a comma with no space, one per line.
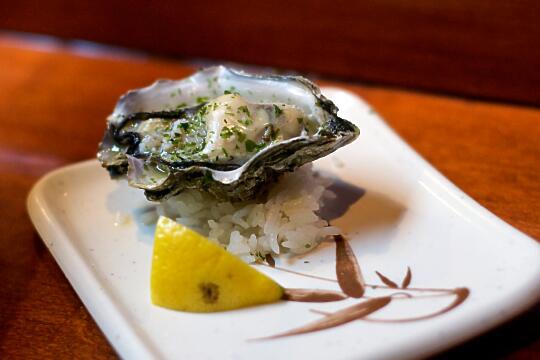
(53,104)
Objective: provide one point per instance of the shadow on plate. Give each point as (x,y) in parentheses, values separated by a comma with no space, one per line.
(363,214)
(346,195)
(124,200)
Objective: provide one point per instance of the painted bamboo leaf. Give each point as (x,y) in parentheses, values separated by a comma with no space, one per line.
(313,295)
(460,294)
(348,271)
(386,280)
(351,313)
(407,280)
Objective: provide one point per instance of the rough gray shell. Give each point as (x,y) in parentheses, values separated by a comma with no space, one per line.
(160,177)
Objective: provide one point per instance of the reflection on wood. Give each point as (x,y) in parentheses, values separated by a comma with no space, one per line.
(467,48)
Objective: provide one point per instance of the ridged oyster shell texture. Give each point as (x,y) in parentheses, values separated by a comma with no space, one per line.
(220,130)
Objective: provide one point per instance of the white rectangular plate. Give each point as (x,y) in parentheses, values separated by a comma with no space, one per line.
(400,212)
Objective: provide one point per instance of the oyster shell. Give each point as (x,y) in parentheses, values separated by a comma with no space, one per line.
(221,130)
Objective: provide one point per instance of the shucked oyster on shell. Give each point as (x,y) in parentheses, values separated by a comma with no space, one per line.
(221,130)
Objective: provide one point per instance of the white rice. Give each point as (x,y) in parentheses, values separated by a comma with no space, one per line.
(287,221)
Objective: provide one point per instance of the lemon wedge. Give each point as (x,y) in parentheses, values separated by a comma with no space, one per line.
(191,273)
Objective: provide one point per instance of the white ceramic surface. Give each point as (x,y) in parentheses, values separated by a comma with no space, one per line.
(399,212)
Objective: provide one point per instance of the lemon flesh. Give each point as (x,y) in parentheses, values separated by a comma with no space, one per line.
(191,273)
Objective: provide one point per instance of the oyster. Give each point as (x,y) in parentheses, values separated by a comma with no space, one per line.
(221,130)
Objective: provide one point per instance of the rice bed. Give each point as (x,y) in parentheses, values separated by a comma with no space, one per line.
(288,221)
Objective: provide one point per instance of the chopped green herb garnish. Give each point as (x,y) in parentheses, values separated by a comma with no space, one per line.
(277,110)
(241,136)
(226,132)
(244,109)
(232,90)
(202,99)
(203,111)
(259,256)
(250,145)
(246,122)
(225,152)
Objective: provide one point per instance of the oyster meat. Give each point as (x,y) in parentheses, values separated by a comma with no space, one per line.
(225,131)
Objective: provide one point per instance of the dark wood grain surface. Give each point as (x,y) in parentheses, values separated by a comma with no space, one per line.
(479,47)
(53,105)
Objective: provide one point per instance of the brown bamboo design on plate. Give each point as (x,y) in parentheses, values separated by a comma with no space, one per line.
(350,280)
